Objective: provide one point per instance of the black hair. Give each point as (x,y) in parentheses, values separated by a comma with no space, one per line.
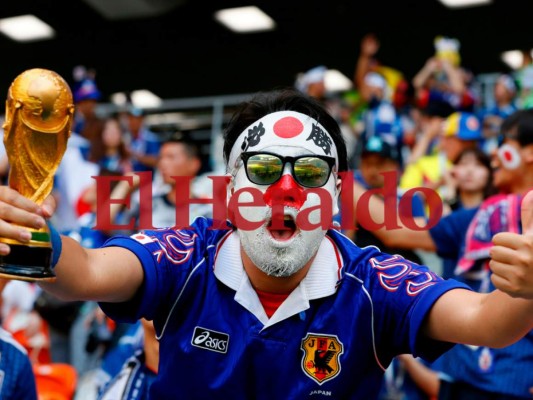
(519,126)
(437,108)
(190,146)
(289,99)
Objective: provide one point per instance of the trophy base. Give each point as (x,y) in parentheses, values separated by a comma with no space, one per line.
(27,263)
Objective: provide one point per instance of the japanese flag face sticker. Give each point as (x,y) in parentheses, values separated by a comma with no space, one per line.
(509,156)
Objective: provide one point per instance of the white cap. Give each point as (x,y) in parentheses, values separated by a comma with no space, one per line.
(374,79)
(314,75)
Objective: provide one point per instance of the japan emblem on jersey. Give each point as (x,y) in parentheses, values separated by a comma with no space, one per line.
(142,238)
(321,360)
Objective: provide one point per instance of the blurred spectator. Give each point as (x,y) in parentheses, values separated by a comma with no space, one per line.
(396,94)
(72,178)
(348,130)
(138,372)
(469,181)
(443,80)
(352,116)
(25,365)
(21,320)
(379,157)
(110,152)
(312,82)
(143,144)
(17,296)
(131,342)
(428,125)
(380,118)
(460,131)
(179,157)
(465,237)
(97,338)
(408,114)
(87,126)
(409,378)
(491,118)
(368,62)
(17,379)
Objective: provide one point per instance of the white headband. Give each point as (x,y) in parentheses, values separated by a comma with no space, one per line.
(285,128)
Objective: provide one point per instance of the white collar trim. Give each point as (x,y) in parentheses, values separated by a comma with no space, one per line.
(320,281)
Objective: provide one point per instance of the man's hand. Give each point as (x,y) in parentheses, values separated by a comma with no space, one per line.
(17,212)
(512,256)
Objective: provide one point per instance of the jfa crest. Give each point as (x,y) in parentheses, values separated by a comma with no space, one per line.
(321,356)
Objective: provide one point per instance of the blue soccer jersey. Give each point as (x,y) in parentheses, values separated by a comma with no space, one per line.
(113,361)
(331,338)
(449,238)
(148,144)
(17,381)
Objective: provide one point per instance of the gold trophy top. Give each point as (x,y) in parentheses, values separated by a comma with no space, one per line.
(39,114)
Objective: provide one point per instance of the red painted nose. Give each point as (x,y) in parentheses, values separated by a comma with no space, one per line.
(285,192)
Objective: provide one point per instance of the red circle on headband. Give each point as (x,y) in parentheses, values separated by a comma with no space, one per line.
(288,127)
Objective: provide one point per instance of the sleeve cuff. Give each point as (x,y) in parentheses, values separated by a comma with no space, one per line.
(422,346)
(144,301)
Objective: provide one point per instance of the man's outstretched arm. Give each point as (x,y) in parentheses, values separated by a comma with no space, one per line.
(108,274)
(495,319)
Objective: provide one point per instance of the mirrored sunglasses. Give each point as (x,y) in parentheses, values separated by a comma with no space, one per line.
(310,171)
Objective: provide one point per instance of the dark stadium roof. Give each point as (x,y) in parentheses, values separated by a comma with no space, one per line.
(177,50)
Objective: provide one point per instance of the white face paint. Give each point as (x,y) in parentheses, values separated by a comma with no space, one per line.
(282,253)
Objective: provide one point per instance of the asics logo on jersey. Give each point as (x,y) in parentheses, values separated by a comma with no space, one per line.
(210,340)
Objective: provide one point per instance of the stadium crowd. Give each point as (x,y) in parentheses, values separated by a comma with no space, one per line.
(436,130)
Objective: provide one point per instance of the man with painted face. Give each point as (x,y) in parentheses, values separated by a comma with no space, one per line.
(278,307)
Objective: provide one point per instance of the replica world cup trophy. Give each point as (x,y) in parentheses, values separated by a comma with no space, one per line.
(39,114)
